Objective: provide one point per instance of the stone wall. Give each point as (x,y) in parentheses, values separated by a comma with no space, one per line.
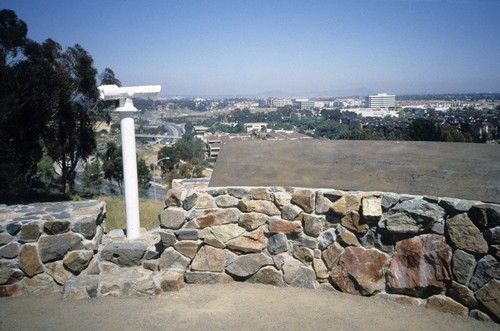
(43,245)
(440,253)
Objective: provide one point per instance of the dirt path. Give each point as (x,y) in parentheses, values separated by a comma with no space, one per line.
(236,306)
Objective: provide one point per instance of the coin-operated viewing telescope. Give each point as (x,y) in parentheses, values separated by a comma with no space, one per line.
(125,94)
(126,110)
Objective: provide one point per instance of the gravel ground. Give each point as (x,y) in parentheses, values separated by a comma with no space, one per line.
(235,306)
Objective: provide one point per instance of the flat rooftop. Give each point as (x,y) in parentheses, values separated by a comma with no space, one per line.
(458,170)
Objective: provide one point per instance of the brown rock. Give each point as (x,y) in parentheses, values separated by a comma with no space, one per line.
(205,201)
(268,275)
(303,254)
(173,198)
(226,232)
(259,206)
(421,266)
(57,271)
(351,221)
(331,253)
(489,296)
(226,201)
(462,294)
(29,232)
(305,199)
(465,235)
(446,305)
(401,299)
(360,271)
(371,207)
(252,242)
(56,226)
(321,270)
(345,204)
(281,199)
(170,281)
(76,261)
(29,260)
(207,278)
(251,221)
(347,238)
(260,193)
(209,259)
(277,225)
(187,248)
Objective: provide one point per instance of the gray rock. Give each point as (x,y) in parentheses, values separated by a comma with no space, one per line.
(206,278)
(187,234)
(86,226)
(277,243)
(190,200)
(168,237)
(226,201)
(463,266)
(246,265)
(290,212)
(10,276)
(312,225)
(489,296)
(305,278)
(56,226)
(485,215)
(290,269)
(9,251)
(455,206)
(268,275)
(259,206)
(373,239)
(5,238)
(323,204)
(446,305)
(389,200)
(125,254)
(172,260)
(411,217)
(303,254)
(479,315)
(75,289)
(58,272)
(306,241)
(331,254)
(465,235)
(216,191)
(492,236)
(488,268)
(172,218)
(13,228)
(54,247)
(173,198)
(239,192)
(326,238)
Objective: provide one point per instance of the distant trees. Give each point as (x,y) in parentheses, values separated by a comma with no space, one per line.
(48,107)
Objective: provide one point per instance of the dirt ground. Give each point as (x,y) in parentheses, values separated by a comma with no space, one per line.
(235,306)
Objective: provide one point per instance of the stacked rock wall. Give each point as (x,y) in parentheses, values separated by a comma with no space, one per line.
(438,252)
(43,245)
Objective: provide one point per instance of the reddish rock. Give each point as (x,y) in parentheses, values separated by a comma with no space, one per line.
(12,290)
(277,225)
(421,266)
(305,199)
(360,271)
(211,217)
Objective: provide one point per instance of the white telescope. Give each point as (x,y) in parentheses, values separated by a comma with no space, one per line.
(126,110)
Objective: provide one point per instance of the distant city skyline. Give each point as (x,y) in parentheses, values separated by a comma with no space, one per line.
(283,48)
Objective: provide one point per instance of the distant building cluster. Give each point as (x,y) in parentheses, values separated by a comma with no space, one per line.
(381,100)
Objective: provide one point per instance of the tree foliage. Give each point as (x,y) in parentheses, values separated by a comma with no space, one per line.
(48,107)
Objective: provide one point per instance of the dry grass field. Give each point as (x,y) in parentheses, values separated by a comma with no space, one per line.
(115,212)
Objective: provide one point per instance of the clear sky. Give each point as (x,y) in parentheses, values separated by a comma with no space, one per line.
(288,47)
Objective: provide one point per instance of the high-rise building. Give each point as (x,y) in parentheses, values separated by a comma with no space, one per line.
(381,100)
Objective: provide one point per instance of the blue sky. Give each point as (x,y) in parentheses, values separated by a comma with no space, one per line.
(288,47)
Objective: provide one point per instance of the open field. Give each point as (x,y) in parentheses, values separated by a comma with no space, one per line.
(115,212)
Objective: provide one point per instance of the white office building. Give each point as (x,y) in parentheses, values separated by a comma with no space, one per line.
(381,100)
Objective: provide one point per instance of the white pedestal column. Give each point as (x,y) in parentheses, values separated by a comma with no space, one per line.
(130,173)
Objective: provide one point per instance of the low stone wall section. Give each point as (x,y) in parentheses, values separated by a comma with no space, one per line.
(440,253)
(43,245)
